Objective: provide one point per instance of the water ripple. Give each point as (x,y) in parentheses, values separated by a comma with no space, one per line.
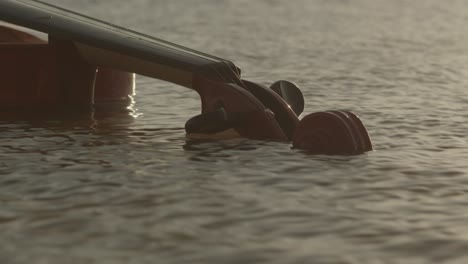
(135,189)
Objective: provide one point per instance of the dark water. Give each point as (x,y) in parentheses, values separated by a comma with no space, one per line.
(135,190)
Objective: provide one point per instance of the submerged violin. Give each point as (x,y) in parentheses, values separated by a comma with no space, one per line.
(86,61)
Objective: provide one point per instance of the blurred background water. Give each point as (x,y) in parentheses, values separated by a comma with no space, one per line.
(126,189)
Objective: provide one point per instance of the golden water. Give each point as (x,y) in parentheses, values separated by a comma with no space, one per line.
(135,190)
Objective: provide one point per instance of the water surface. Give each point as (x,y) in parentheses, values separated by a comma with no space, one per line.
(124,189)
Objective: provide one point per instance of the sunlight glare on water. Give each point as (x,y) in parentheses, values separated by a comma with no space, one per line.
(120,189)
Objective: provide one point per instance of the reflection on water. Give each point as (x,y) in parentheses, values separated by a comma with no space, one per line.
(134,189)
